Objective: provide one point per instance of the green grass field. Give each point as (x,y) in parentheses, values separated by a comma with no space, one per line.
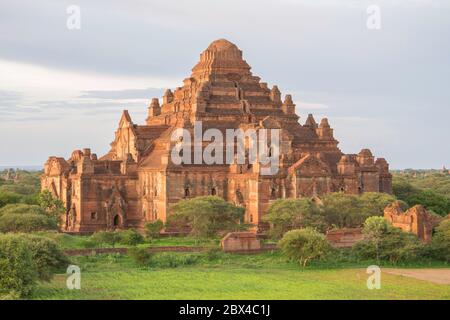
(263,276)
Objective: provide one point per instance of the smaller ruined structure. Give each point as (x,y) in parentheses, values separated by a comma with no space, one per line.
(11,175)
(240,242)
(8,175)
(416,220)
(344,238)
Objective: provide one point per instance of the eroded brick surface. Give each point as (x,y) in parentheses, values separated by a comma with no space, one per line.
(416,220)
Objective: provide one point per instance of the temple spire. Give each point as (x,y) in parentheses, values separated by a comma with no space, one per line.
(288,106)
(310,122)
(275,95)
(324,131)
(154,109)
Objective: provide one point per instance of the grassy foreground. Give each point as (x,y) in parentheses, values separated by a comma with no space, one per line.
(264,276)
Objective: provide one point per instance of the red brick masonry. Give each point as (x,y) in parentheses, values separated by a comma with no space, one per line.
(344,238)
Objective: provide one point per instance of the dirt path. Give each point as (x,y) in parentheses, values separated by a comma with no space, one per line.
(439,276)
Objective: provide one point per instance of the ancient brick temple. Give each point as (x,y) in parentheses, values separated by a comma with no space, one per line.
(137,181)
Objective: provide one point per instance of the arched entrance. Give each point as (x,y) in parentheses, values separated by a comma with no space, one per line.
(116,221)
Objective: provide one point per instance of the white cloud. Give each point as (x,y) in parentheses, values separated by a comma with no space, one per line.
(303,105)
(42,82)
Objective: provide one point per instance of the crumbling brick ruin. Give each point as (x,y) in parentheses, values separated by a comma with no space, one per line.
(240,242)
(416,220)
(344,238)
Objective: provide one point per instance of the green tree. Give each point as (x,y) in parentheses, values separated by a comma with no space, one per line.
(427,197)
(373,203)
(342,210)
(383,242)
(440,244)
(206,216)
(53,206)
(288,214)
(304,245)
(425,179)
(374,230)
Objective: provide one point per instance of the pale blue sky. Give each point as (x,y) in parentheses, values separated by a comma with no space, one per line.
(387,90)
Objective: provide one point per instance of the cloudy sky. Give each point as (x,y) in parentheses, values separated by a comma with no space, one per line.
(386,89)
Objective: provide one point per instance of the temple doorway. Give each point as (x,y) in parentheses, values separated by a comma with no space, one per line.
(116,221)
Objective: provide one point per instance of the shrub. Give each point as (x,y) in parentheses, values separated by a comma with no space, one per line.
(101,238)
(88,244)
(440,244)
(173,260)
(167,260)
(18,272)
(18,188)
(130,237)
(213,253)
(30,199)
(21,209)
(113,257)
(153,229)
(26,222)
(7,197)
(188,259)
(25,218)
(47,256)
(140,256)
(207,216)
(304,245)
